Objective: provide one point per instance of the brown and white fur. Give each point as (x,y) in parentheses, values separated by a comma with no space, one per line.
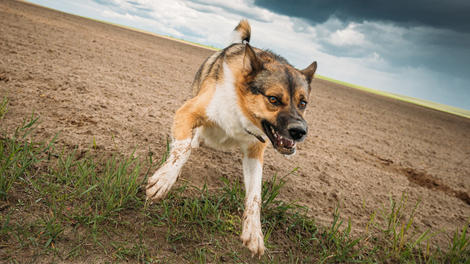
(242,97)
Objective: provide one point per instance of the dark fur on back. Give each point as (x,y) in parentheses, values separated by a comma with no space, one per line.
(212,66)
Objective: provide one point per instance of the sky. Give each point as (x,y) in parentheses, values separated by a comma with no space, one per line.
(418,48)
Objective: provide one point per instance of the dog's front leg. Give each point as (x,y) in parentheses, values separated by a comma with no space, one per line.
(252,235)
(186,119)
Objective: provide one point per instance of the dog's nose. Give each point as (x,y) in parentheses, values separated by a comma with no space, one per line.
(297,132)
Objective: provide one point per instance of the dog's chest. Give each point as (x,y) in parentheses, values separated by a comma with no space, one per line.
(228,129)
(216,137)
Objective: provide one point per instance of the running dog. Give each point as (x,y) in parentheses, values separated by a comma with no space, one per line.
(243,96)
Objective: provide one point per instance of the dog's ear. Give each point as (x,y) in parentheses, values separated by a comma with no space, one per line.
(309,72)
(251,62)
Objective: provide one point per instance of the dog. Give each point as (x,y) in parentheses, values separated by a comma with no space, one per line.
(243,97)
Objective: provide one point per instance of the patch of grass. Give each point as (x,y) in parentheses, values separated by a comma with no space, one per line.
(459,247)
(397,227)
(337,244)
(4,107)
(19,155)
(62,205)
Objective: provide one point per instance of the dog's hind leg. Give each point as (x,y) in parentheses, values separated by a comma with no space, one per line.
(252,235)
(197,137)
(187,118)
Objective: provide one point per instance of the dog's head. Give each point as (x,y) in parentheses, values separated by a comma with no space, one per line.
(275,97)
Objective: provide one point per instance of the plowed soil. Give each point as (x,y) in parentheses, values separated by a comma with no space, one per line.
(121,88)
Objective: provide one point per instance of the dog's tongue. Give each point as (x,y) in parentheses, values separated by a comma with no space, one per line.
(287,143)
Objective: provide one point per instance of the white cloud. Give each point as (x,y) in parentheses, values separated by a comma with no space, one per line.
(240,7)
(346,37)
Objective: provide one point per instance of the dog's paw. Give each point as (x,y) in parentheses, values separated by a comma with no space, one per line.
(159,185)
(252,237)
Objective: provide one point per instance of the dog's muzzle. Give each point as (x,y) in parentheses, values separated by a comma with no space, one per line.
(297,131)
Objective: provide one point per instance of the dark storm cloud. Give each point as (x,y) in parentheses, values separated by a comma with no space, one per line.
(450,14)
(440,50)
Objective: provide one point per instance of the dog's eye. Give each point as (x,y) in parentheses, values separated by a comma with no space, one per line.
(302,105)
(273,100)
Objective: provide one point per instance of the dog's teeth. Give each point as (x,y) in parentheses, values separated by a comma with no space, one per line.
(282,143)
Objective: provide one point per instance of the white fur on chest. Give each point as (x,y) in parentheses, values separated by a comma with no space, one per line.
(230,124)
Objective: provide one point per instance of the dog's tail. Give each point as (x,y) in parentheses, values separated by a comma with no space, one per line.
(241,34)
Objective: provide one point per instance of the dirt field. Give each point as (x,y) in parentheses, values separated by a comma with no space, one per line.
(121,88)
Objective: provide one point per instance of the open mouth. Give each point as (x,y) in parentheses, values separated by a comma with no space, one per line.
(281,144)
